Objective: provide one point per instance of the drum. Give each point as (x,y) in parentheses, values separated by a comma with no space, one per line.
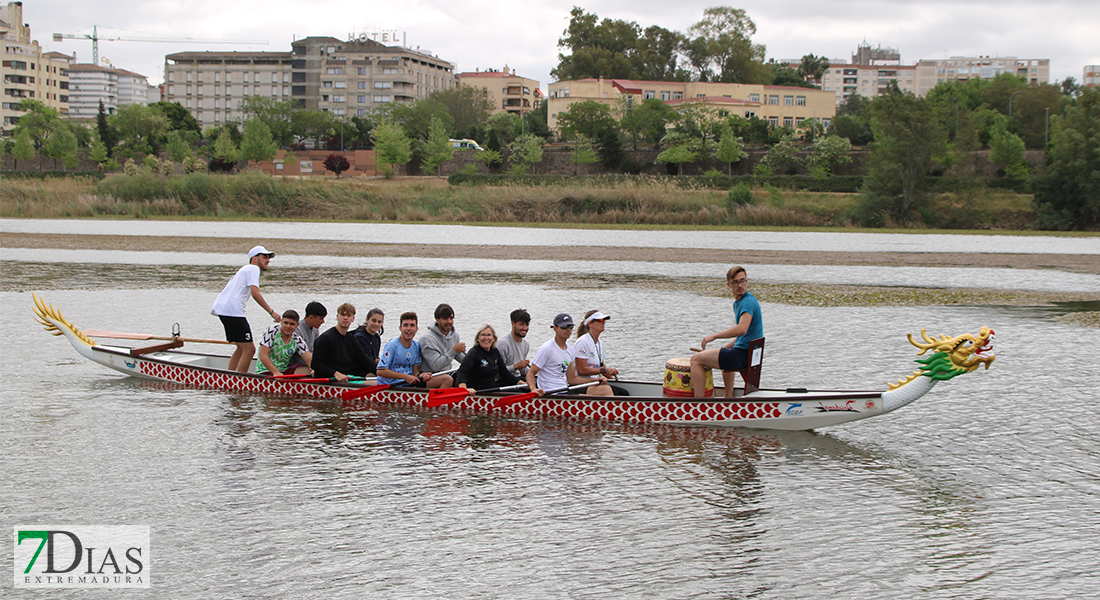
(678,379)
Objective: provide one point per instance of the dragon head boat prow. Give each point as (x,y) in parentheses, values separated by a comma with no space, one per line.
(57,324)
(951,356)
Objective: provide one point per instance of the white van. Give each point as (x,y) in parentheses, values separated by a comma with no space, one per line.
(466,145)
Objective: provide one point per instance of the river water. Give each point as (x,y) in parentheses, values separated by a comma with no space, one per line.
(988,487)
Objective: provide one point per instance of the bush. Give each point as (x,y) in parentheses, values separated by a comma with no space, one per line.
(140,186)
(199,191)
(740,195)
(258,189)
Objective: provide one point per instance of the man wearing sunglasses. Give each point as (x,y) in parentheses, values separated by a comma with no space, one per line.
(734,356)
(553,369)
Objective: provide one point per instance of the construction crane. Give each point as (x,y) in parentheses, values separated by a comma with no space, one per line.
(95,37)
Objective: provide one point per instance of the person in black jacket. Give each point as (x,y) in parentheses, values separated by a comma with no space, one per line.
(483,367)
(337,354)
(369,336)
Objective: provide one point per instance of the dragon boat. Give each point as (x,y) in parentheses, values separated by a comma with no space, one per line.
(790,409)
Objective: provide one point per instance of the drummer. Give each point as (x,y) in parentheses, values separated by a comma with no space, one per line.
(734,356)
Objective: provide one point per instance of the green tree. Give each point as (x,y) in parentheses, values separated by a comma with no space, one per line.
(38,121)
(537,122)
(588,118)
(1007,150)
(582,152)
(468,106)
(179,118)
(827,152)
(224,154)
(1069,197)
(524,152)
(647,122)
(107,133)
(506,127)
(97,151)
(275,114)
(812,68)
(309,124)
(391,145)
(177,146)
(907,139)
(256,142)
(23,149)
(677,152)
(783,153)
(719,48)
(784,75)
(61,146)
(614,48)
(438,148)
(730,148)
(140,127)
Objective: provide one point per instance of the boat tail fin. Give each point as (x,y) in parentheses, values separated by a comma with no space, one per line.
(57,324)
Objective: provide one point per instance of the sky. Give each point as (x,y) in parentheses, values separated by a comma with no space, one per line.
(523,35)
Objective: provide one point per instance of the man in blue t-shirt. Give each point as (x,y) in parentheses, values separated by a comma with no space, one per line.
(734,356)
(400,359)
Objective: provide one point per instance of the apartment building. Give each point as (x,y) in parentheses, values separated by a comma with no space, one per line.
(1090,76)
(868,74)
(778,105)
(28,72)
(343,77)
(962,68)
(506,91)
(91,84)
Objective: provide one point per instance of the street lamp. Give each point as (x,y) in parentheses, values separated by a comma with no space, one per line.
(1010,102)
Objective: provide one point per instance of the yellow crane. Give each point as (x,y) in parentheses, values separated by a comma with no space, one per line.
(95,37)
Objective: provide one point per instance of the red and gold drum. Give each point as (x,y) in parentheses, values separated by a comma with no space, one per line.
(678,379)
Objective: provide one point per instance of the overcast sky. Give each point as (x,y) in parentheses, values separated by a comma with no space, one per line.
(524,35)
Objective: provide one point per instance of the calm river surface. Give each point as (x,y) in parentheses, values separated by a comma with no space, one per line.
(988,487)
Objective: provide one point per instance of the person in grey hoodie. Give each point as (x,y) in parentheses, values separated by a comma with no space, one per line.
(440,345)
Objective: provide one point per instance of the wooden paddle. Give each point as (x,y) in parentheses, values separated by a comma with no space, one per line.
(122,335)
(452,395)
(514,399)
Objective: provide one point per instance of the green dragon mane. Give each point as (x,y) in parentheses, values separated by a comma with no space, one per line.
(939,367)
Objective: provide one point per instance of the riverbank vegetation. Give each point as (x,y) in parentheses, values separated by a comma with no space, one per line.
(638,200)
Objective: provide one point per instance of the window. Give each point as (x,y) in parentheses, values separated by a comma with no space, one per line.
(773,100)
(217,76)
(666,96)
(788,121)
(341,85)
(381,98)
(334,70)
(754,97)
(171,76)
(362,112)
(677,95)
(339,98)
(389,71)
(339,112)
(383,85)
(297,90)
(274,78)
(327,84)
(361,99)
(362,70)
(649,94)
(773,121)
(189,77)
(788,100)
(750,114)
(362,85)
(800,101)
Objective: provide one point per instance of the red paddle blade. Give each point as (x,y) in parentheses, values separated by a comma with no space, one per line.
(292,376)
(510,400)
(363,392)
(447,396)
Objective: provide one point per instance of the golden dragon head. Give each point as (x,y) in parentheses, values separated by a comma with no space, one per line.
(953,356)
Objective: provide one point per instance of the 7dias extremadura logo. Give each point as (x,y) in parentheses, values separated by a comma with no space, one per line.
(97,556)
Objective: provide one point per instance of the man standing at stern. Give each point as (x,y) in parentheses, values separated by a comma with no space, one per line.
(231,304)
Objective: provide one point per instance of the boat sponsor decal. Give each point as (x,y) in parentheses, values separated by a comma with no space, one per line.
(130,364)
(870,405)
(794,409)
(837,407)
(82,556)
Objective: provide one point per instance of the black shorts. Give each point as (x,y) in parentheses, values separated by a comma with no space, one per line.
(733,359)
(237,329)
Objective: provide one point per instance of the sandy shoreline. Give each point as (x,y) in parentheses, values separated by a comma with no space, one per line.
(1072,263)
(796,294)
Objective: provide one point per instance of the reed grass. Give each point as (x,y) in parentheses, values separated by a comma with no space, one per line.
(637,201)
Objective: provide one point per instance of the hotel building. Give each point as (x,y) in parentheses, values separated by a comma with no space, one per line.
(345,78)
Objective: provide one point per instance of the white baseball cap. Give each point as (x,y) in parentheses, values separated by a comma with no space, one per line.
(596,316)
(259,250)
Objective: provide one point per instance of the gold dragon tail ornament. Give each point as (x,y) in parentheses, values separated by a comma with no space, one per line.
(951,356)
(57,324)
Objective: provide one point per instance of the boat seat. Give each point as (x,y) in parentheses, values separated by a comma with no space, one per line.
(751,375)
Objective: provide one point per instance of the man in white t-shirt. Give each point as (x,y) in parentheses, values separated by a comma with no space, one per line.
(552,368)
(231,304)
